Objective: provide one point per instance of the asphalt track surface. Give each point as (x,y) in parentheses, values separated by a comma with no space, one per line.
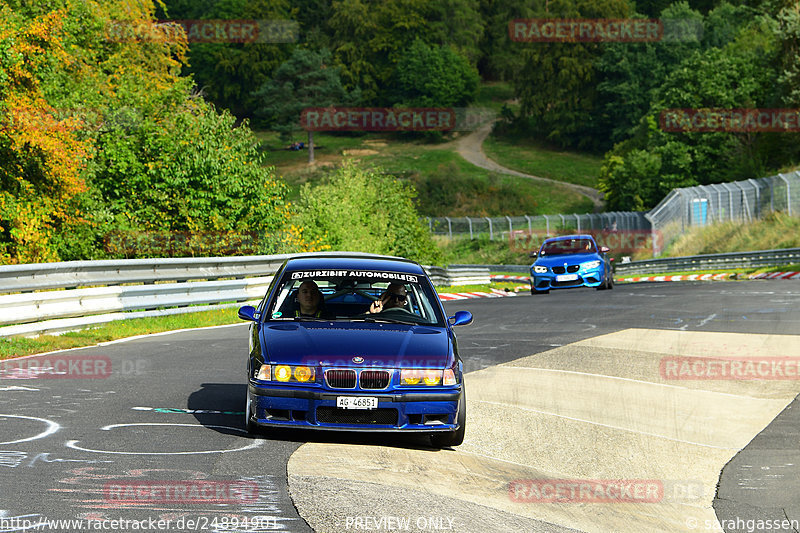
(151,430)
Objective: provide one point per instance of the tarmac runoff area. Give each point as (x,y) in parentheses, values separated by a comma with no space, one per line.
(556,440)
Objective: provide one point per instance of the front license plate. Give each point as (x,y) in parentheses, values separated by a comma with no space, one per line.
(567,277)
(356,402)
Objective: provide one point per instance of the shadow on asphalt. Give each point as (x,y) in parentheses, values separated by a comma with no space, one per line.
(229,398)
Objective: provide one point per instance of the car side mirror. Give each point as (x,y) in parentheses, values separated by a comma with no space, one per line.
(534,253)
(248,312)
(461,318)
(604,249)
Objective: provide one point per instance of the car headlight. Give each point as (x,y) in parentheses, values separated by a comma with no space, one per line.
(540,269)
(286,373)
(591,264)
(430,377)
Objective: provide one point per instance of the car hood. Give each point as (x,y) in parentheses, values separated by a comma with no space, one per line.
(570,259)
(337,343)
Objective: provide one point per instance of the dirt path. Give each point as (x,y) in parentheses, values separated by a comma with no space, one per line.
(470,147)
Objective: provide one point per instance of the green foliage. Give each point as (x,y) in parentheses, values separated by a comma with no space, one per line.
(557,83)
(640,171)
(367,37)
(191,170)
(362,210)
(226,72)
(305,80)
(428,76)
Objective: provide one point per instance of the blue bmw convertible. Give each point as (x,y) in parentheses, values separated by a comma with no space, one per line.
(357,343)
(571,261)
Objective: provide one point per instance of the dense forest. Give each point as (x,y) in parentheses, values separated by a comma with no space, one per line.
(113,135)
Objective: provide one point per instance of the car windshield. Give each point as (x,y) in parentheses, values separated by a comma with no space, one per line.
(349,296)
(568,246)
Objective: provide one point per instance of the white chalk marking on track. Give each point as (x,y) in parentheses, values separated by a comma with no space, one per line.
(255,444)
(52,427)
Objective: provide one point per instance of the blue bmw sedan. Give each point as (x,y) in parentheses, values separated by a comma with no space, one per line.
(571,261)
(355,342)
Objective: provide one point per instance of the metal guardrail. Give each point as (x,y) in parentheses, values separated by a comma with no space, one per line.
(106,293)
(731,260)
(72,274)
(756,259)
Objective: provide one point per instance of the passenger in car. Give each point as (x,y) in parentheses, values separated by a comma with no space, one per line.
(395,296)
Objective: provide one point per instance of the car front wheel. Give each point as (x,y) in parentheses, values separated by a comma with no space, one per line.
(453,438)
(251,427)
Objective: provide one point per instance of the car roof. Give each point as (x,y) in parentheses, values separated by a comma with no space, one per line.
(354,261)
(568,238)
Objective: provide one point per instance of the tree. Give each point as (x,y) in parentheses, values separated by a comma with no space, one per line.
(226,72)
(638,172)
(428,76)
(364,210)
(557,83)
(305,80)
(368,37)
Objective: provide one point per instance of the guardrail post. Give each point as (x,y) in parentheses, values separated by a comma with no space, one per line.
(491,234)
(469,221)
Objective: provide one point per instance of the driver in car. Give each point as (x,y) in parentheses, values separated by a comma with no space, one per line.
(395,296)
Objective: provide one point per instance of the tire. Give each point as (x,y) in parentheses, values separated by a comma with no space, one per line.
(453,438)
(534,291)
(251,427)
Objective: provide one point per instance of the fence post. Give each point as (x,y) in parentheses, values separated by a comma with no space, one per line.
(510,229)
(744,201)
(755,185)
(578,222)
(530,228)
(430,224)
(788,195)
(547,224)
(449,227)
(491,234)
(469,221)
(563,222)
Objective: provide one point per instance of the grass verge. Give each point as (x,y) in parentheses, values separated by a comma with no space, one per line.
(19,346)
(532,157)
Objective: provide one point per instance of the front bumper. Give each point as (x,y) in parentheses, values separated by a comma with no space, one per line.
(549,280)
(407,411)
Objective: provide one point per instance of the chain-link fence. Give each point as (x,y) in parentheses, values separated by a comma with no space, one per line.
(503,227)
(739,200)
(680,209)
